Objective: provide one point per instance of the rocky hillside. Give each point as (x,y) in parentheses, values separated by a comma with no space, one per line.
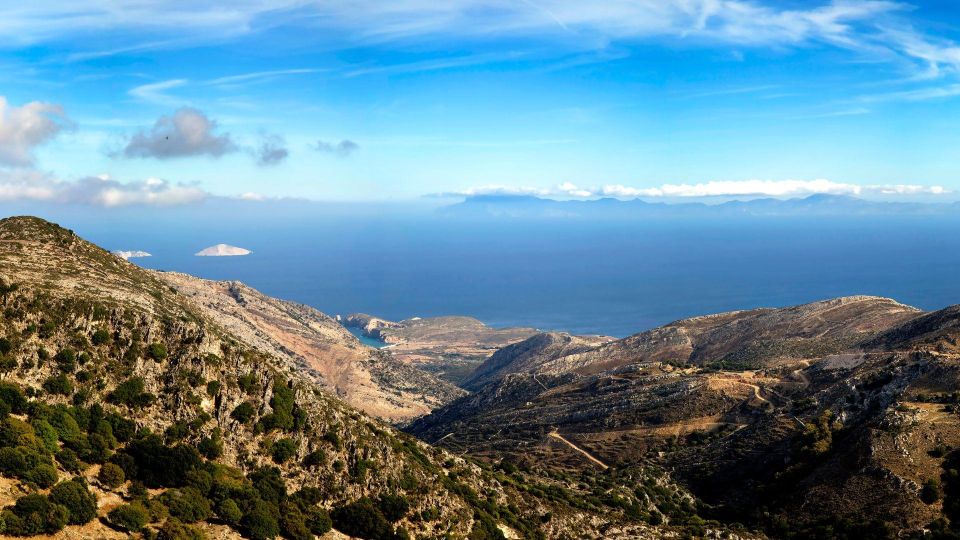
(528,355)
(130,407)
(450,347)
(748,339)
(370,380)
(836,419)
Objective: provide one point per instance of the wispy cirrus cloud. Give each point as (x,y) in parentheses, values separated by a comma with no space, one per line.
(157,92)
(877,27)
(731,188)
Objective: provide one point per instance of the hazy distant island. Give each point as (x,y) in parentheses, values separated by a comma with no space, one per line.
(222,250)
(130,254)
(522,206)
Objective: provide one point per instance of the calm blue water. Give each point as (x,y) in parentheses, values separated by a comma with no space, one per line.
(366,340)
(607,278)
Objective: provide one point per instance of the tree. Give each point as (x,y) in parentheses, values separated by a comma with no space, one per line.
(100,337)
(283,450)
(77,499)
(362,519)
(173,529)
(243,413)
(58,384)
(131,393)
(129,517)
(66,360)
(12,396)
(930,492)
(34,514)
(393,507)
(187,504)
(229,512)
(261,522)
(111,476)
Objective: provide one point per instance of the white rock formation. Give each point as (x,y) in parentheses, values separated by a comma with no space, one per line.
(222,250)
(130,254)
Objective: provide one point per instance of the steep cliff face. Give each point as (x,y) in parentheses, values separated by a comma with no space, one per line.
(372,381)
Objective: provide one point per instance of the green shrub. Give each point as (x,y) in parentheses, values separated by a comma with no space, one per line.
(318,520)
(77,499)
(269,485)
(68,430)
(930,492)
(34,514)
(42,475)
(243,413)
(261,521)
(213,388)
(7,364)
(393,507)
(186,504)
(131,393)
(12,396)
(66,360)
(58,385)
(5,346)
(158,465)
(175,530)
(229,512)
(111,475)
(283,450)
(129,517)
(211,447)
(157,351)
(68,459)
(315,458)
(362,519)
(46,434)
(282,403)
(100,337)
(16,432)
(293,523)
(247,382)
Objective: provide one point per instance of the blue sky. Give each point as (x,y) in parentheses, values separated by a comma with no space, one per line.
(170,102)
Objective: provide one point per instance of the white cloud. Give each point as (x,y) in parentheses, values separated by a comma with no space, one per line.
(732,188)
(24,128)
(32,185)
(343,148)
(272,150)
(187,132)
(767,188)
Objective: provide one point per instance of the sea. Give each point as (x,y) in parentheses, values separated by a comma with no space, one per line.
(611,278)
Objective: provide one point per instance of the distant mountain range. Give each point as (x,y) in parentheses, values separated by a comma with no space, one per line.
(512,206)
